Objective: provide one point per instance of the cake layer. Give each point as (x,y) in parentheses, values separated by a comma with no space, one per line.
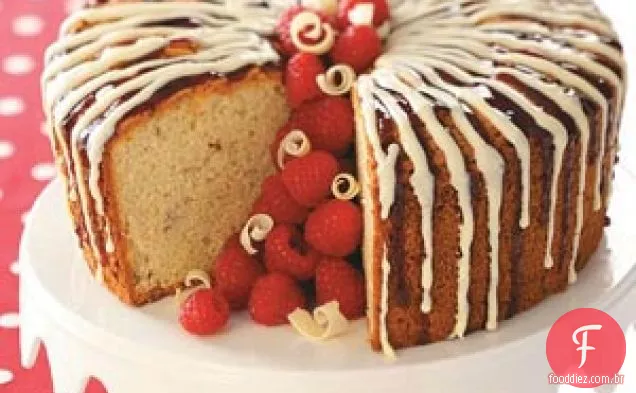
(487,136)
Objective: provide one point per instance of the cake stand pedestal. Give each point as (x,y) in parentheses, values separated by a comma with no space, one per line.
(87,332)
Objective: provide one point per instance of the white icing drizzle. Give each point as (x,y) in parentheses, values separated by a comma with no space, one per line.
(421,180)
(491,165)
(551,125)
(384,307)
(464,39)
(551,50)
(459,178)
(386,178)
(385,162)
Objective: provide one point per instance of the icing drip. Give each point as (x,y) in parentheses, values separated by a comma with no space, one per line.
(386,183)
(384,307)
(385,162)
(459,177)
(453,53)
(421,180)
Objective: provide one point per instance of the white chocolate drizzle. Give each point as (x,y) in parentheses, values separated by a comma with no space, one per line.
(452,55)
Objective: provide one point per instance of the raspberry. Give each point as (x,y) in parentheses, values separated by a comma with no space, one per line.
(337,280)
(235,273)
(204,312)
(275,296)
(283,29)
(357,46)
(277,203)
(328,123)
(308,179)
(300,78)
(381,11)
(286,253)
(334,228)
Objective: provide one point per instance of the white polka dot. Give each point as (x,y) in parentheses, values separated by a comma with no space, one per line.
(18,64)
(6,376)
(11,106)
(15,268)
(6,149)
(28,25)
(10,320)
(43,171)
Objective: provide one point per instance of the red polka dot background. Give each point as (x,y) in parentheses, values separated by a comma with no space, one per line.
(26,166)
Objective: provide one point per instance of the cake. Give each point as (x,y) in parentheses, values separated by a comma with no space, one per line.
(486,134)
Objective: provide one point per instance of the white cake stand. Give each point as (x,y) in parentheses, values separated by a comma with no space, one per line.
(87,332)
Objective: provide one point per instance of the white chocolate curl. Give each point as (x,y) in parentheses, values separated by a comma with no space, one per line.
(327,322)
(308,24)
(362,14)
(337,81)
(195,280)
(256,229)
(327,7)
(352,190)
(295,144)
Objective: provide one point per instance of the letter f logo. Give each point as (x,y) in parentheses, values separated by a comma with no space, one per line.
(583,344)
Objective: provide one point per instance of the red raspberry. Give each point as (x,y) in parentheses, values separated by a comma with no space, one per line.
(381,12)
(308,179)
(286,252)
(204,312)
(334,228)
(300,78)
(275,296)
(328,123)
(283,29)
(337,280)
(235,273)
(276,202)
(357,46)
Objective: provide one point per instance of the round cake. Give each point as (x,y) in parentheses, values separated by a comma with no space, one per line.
(486,135)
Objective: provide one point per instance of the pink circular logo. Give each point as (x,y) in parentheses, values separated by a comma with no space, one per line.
(586,349)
